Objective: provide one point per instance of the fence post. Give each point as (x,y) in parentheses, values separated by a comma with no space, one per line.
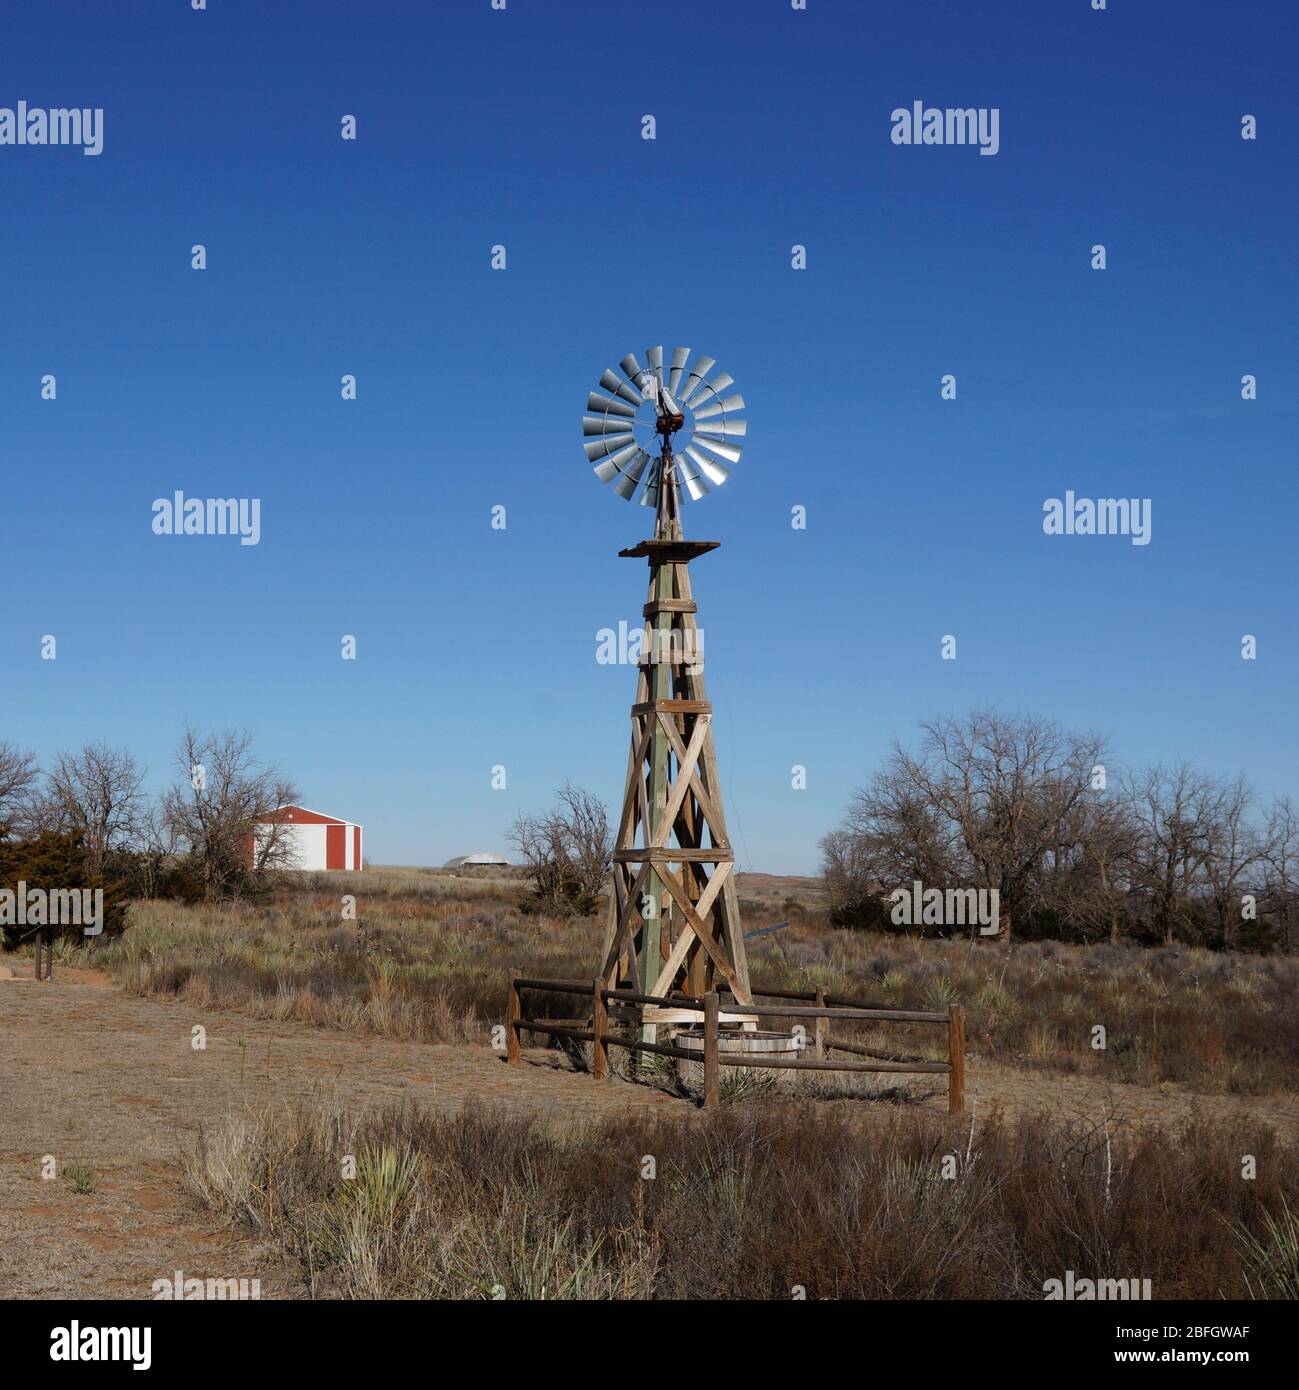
(599,1056)
(513,1012)
(821,1026)
(712,1089)
(956,1057)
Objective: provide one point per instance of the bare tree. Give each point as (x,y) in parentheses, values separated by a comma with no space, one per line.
(18,773)
(1234,849)
(1173,810)
(986,802)
(1093,894)
(1280,879)
(221,811)
(96,792)
(889,837)
(850,873)
(567,850)
(155,844)
(1014,804)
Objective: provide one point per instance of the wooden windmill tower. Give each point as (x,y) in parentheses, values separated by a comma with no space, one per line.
(674,915)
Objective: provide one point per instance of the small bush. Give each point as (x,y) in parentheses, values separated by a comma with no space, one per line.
(81,1176)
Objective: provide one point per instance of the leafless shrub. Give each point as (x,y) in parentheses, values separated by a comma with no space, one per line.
(567,851)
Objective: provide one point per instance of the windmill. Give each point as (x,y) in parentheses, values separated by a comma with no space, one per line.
(663,432)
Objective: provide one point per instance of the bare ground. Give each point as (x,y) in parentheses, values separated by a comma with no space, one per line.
(98,1077)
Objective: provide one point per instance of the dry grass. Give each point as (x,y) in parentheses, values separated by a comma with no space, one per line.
(752,1204)
(1216,1022)
(428,966)
(429,956)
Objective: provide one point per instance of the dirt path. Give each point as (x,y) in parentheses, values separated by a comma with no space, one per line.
(94,1076)
(1085,1097)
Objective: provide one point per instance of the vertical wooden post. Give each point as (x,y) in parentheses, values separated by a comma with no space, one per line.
(654,943)
(822,1026)
(513,1012)
(956,1056)
(712,1089)
(599,1055)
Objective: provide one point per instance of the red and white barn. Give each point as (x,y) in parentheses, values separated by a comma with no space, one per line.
(315,841)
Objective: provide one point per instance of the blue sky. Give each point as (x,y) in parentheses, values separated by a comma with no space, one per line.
(475,127)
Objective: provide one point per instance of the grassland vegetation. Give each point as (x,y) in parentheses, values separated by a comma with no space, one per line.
(428,957)
(752,1202)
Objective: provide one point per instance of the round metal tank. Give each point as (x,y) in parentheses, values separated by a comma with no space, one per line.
(735,1041)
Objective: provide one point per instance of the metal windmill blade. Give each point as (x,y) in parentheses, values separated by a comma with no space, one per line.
(603,424)
(690,477)
(612,465)
(606,405)
(630,477)
(730,452)
(636,375)
(611,381)
(650,496)
(719,407)
(718,429)
(607,443)
(680,356)
(697,376)
(716,473)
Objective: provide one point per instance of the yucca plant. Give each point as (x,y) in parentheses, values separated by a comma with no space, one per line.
(366,1220)
(512,1260)
(1273,1260)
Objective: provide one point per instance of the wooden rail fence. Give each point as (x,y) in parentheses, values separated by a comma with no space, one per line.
(822,1009)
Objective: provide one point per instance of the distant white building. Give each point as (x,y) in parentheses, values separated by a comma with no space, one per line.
(485,857)
(314,841)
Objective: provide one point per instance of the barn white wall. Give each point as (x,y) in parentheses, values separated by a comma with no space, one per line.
(306,844)
(309,844)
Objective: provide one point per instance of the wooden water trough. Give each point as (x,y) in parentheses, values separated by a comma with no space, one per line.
(710,1012)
